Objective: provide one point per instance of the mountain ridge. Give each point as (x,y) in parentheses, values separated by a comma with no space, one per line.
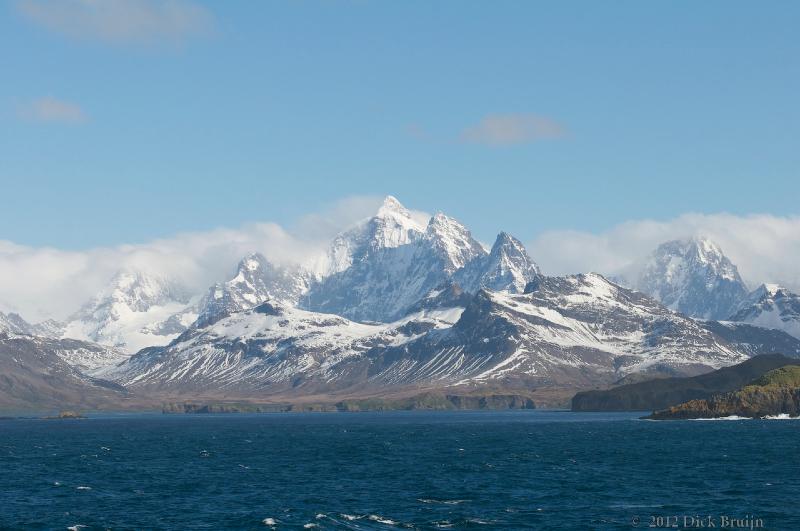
(405,305)
(558,335)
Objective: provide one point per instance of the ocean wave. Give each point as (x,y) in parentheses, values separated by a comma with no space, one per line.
(447,524)
(780,416)
(729,417)
(443,502)
(382,519)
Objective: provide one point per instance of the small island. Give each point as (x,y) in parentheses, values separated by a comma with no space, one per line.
(775,393)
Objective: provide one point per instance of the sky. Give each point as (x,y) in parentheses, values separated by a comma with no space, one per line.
(587,129)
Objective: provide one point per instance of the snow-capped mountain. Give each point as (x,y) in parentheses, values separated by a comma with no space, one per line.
(451,242)
(693,277)
(84,356)
(403,304)
(49,328)
(257,280)
(136,310)
(771,306)
(754,339)
(393,263)
(566,332)
(392,226)
(270,348)
(507,267)
(13,323)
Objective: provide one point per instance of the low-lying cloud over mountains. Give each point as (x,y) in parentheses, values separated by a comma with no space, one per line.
(395,303)
(765,248)
(44,282)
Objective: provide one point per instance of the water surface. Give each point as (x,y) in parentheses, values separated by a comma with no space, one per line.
(412,470)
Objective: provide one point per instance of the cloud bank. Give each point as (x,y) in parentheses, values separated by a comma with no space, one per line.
(42,282)
(119,21)
(765,248)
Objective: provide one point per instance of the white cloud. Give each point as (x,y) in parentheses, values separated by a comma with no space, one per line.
(49,109)
(119,20)
(45,282)
(765,248)
(510,129)
(42,283)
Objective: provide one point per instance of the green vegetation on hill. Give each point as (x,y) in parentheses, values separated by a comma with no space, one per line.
(662,393)
(788,376)
(774,393)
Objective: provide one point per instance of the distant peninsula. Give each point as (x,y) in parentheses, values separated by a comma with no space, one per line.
(653,395)
(775,393)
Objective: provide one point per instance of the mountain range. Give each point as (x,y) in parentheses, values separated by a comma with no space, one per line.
(695,278)
(402,306)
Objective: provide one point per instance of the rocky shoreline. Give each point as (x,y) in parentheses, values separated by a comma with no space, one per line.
(425,401)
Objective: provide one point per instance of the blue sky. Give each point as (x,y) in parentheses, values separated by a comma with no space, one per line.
(521,116)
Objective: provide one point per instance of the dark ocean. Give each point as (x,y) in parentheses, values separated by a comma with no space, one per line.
(400,470)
